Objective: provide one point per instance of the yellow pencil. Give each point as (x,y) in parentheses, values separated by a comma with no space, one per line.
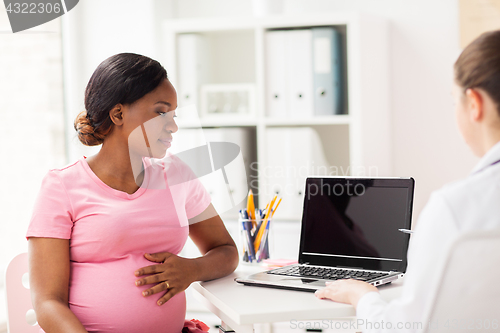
(264,224)
(275,208)
(251,208)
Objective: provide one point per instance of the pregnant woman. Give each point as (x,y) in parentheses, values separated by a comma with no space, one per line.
(106,230)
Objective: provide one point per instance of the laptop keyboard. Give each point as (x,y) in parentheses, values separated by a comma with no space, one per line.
(326,273)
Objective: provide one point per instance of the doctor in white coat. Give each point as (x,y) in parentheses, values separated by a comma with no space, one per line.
(469,204)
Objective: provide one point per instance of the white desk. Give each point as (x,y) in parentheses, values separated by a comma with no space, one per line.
(240,307)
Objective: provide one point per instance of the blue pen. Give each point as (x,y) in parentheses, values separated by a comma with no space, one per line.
(251,253)
(251,240)
(260,252)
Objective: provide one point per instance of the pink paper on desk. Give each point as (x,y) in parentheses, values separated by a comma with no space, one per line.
(278,262)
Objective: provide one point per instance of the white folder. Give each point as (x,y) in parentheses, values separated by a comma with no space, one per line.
(237,170)
(299,155)
(192,68)
(299,69)
(276,72)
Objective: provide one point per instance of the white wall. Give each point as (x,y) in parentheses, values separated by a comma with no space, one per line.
(31,129)
(31,125)
(424,37)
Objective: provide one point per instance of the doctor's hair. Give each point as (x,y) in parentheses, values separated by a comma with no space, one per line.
(478,66)
(121,79)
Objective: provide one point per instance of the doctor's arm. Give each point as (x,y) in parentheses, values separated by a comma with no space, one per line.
(49,284)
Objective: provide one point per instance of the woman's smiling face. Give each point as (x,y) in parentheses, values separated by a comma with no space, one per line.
(149,122)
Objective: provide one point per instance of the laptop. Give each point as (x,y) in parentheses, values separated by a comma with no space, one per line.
(350,229)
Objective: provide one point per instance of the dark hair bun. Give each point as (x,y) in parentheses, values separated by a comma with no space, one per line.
(86,132)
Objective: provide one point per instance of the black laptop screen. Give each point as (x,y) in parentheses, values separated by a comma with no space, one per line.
(354,222)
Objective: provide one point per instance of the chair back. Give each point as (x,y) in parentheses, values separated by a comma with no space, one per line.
(20,314)
(467,295)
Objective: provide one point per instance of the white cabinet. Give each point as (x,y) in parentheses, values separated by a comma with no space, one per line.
(355,143)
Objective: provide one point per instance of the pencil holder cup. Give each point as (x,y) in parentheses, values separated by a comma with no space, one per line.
(254,240)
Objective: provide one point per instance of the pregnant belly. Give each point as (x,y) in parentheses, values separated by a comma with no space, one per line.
(105,298)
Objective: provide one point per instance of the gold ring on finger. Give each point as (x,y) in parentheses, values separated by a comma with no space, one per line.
(168,286)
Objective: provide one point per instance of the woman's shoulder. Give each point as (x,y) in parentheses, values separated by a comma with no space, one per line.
(67,172)
(473,186)
(473,201)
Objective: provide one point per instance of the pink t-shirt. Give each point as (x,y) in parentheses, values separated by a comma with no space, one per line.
(110,231)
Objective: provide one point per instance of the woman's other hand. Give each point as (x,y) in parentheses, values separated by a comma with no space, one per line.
(171,275)
(345,291)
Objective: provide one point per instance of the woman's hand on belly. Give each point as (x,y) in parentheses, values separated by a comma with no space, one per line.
(171,275)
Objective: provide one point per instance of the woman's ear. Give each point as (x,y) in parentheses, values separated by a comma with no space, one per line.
(474,104)
(116,114)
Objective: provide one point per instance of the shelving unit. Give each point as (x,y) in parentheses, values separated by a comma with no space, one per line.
(357,142)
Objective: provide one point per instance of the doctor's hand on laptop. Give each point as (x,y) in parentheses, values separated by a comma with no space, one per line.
(347,291)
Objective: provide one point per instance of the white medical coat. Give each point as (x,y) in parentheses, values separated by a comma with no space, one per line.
(469,204)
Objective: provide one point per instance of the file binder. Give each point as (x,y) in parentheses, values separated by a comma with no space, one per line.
(299,69)
(276,73)
(327,70)
(299,155)
(303,72)
(193,66)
